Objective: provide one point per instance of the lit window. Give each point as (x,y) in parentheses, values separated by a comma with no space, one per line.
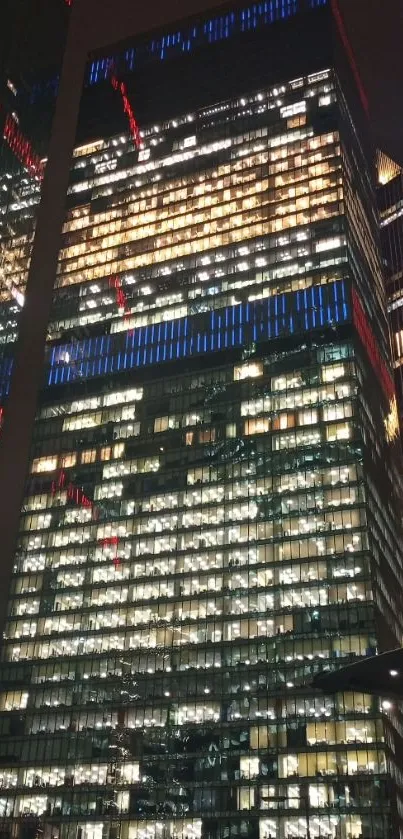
(257,426)
(337,411)
(292,110)
(207,435)
(161,424)
(89,456)
(328,244)
(44,464)
(338,431)
(283,421)
(118,450)
(330,374)
(307,417)
(248,371)
(249,767)
(68,460)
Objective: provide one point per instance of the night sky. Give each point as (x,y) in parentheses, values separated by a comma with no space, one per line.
(375,29)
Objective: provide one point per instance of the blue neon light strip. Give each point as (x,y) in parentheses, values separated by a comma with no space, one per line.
(6,366)
(212,31)
(232,327)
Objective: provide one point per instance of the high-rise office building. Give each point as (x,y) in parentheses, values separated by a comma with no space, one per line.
(20,190)
(210,515)
(21,173)
(390,199)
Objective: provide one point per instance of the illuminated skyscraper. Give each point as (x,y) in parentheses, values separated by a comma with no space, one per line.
(211,514)
(390,195)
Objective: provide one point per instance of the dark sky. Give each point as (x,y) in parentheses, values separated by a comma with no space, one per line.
(375,28)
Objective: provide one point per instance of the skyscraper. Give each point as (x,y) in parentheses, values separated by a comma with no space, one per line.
(390,195)
(211,512)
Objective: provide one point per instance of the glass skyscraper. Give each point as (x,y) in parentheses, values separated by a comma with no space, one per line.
(390,200)
(211,513)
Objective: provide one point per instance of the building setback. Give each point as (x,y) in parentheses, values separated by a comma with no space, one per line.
(211,515)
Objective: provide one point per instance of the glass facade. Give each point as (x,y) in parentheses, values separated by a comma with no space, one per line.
(390,199)
(20,190)
(19,201)
(205,524)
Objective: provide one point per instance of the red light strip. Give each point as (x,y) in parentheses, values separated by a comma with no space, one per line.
(370,344)
(73,493)
(127,108)
(350,54)
(22,149)
(109,541)
(121,299)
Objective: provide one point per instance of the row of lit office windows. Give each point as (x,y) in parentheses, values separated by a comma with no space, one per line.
(101,569)
(217,631)
(248,491)
(287,714)
(329,423)
(273,250)
(201,237)
(279,146)
(254,502)
(86,411)
(23,254)
(192,300)
(148,311)
(331,431)
(164,249)
(185,827)
(128,772)
(237,578)
(231,175)
(121,468)
(205,222)
(263,593)
(179,611)
(190,682)
(245,710)
(175,637)
(217,531)
(219,205)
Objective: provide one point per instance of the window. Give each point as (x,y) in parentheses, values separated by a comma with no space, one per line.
(307,417)
(118,450)
(257,426)
(67,460)
(249,767)
(287,381)
(283,421)
(248,371)
(328,244)
(337,411)
(44,464)
(161,424)
(338,431)
(330,374)
(208,435)
(89,456)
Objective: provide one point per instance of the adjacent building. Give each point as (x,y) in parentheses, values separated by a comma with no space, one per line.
(211,515)
(390,195)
